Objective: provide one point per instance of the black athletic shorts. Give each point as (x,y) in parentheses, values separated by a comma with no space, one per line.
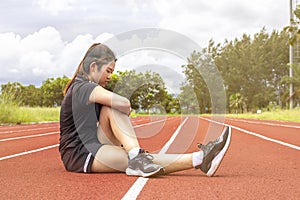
(80,158)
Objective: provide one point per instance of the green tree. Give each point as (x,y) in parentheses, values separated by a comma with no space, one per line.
(236,102)
(293,28)
(188,100)
(294,38)
(146,91)
(295,80)
(12,92)
(254,67)
(32,96)
(202,75)
(52,91)
(152,92)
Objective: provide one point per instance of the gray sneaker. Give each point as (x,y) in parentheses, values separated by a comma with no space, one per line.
(142,165)
(214,151)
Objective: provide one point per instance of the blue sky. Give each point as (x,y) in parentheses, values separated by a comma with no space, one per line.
(47,38)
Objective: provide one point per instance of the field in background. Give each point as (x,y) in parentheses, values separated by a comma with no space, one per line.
(284,115)
(14,114)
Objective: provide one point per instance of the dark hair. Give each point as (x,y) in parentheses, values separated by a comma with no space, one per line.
(98,53)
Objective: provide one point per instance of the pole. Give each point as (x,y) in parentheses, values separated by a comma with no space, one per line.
(291,56)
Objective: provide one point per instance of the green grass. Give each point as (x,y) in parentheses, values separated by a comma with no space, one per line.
(11,113)
(284,115)
(16,115)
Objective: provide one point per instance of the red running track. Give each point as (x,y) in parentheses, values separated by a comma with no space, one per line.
(253,168)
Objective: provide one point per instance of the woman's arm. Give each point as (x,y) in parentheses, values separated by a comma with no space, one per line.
(108,98)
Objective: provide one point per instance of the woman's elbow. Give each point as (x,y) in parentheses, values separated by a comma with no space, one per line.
(127,104)
(124,106)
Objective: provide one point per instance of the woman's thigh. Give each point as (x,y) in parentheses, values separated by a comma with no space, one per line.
(110,158)
(105,133)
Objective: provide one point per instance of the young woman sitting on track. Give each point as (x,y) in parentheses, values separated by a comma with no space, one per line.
(96,134)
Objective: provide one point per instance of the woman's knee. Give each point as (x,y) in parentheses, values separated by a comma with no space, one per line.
(108,112)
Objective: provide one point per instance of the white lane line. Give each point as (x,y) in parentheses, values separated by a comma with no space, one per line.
(28,136)
(44,134)
(36,150)
(139,184)
(13,127)
(155,122)
(264,123)
(171,140)
(26,130)
(35,129)
(267,138)
(135,189)
(257,135)
(28,152)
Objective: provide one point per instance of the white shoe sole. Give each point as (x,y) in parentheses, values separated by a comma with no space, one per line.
(132,172)
(218,159)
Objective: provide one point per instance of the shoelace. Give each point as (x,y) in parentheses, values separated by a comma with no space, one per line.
(202,146)
(205,147)
(146,158)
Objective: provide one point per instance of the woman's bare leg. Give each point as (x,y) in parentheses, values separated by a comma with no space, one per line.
(110,158)
(115,129)
(170,162)
(116,132)
(173,162)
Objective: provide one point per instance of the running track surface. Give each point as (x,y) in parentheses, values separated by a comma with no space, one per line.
(263,162)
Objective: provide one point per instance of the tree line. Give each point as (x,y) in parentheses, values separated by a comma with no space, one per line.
(254,70)
(146,91)
(50,94)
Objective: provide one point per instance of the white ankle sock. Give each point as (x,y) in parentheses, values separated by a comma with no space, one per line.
(133,152)
(197,158)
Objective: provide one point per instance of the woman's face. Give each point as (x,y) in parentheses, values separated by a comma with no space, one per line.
(105,73)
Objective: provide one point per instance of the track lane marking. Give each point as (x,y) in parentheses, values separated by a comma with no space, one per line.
(43,148)
(28,136)
(44,134)
(139,184)
(50,127)
(256,134)
(264,123)
(28,152)
(34,125)
(155,122)
(171,140)
(27,130)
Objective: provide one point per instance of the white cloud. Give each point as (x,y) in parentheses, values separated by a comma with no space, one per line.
(55,6)
(32,57)
(47,38)
(41,55)
(139,6)
(37,63)
(10,47)
(166,64)
(31,50)
(202,20)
